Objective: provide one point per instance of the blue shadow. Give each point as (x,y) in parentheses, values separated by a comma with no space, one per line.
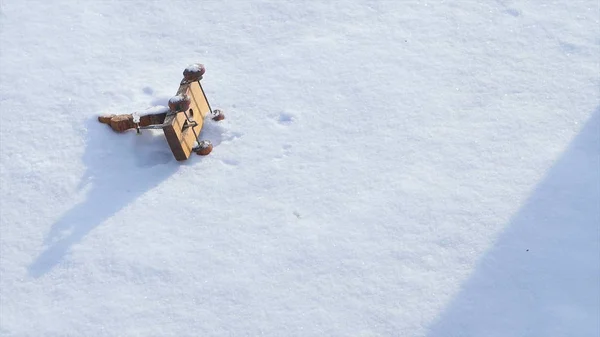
(119,169)
(542,277)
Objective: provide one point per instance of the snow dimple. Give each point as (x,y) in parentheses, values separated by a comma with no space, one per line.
(286,150)
(286,118)
(230,162)
(513,12)
(148,90)
(568,48)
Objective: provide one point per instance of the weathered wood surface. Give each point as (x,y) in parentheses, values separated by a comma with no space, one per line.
(181,137)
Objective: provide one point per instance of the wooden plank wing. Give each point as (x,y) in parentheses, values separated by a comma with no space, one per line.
(181,135)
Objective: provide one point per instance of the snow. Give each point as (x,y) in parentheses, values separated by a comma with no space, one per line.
(153,110)
(194,68)
(385,168)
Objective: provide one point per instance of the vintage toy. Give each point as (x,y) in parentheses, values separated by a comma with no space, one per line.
(181,121)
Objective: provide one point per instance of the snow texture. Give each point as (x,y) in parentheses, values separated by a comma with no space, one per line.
(432,170)
(194,68)
(153,110)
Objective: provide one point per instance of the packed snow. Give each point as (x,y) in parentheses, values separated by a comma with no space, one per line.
(153,110)
(385,168)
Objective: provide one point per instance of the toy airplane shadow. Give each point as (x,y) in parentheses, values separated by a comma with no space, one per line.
(120,170)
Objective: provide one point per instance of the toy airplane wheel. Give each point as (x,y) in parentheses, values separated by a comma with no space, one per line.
(194,72)
(217,115)
(204,148)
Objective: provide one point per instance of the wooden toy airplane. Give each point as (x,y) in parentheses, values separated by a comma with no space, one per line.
(181,121)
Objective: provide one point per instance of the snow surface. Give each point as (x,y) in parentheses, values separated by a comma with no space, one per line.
(153,110)
(385,168)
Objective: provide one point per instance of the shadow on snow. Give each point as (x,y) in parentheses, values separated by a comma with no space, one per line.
(120,168)
(542,276)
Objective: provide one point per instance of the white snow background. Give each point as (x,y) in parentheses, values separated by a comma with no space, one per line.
(385,168)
